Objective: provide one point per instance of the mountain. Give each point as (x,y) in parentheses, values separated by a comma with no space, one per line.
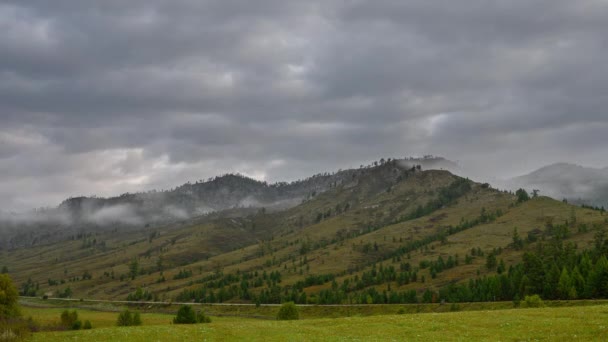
(191,200)
(577,184)
(385,233)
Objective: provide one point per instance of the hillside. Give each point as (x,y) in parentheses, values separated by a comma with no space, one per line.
(81,215)
(132,211)
(386,233)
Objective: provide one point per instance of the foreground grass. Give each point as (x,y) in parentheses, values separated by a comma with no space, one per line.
(589,323)
(99,319)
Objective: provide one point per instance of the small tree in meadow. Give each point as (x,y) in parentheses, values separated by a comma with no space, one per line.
(288,311)
(127,318)
(185,315)
(202,318)
(534,301)
(136,320)
(69,320)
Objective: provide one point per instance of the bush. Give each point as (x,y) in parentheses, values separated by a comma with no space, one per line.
(126,319)
(136,319)
(186,315)
(202,318)
(516,301)
(533,301)
(77,325)
(87,325)
(69,320)
(288,311)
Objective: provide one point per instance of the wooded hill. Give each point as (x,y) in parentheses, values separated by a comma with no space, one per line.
(132,211)
(385,234)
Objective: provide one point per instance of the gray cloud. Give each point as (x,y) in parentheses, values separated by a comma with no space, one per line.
(105,97)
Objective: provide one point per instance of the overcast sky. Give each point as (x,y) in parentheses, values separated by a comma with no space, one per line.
(112,96)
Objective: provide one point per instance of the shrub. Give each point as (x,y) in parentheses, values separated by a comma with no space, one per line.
(69,320)
(77,325)
(126,319)
(516,301)
(202,318)
(288,311)
(136,318)
(533,301)
(87,325)
(185,315)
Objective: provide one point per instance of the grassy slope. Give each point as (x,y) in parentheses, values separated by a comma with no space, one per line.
(553,324)
(272,241)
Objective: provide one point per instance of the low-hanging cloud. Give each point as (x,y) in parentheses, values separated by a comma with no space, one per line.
(118,214)
(107,97)
(176,212)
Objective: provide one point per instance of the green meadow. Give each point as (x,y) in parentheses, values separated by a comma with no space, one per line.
(576,323)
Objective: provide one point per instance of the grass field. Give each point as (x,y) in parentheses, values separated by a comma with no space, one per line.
(99,319)
(579,323)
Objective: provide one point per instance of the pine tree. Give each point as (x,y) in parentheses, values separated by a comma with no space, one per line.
(491,261)
(518,242)
(564,285)
(133,268)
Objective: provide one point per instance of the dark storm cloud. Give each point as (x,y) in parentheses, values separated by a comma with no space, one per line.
(112,96)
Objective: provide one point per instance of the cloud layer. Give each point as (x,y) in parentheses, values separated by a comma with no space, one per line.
(106,97)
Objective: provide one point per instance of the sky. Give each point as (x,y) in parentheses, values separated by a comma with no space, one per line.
(104,97)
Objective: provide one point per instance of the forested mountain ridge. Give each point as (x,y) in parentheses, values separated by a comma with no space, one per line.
(388,233)
(131,211)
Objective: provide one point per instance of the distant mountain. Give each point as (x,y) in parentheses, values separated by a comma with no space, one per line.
(190,200)
(577,184)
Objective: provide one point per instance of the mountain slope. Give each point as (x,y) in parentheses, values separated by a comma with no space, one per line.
(384,229)
(80,215)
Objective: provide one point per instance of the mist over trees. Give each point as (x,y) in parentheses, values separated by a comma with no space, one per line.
(82,215)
